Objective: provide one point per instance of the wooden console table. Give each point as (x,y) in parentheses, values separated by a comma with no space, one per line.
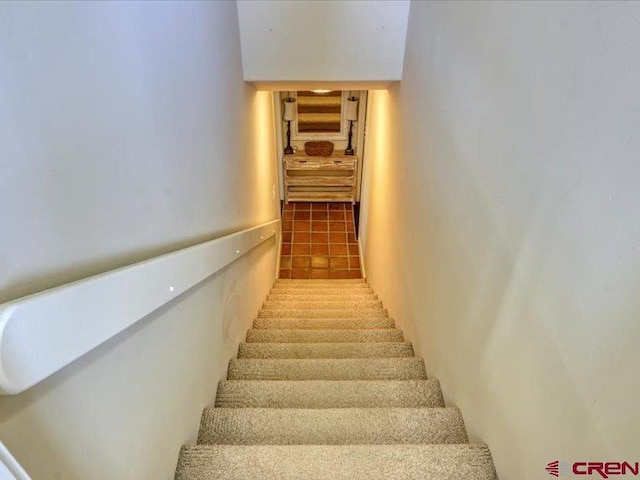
(320,179)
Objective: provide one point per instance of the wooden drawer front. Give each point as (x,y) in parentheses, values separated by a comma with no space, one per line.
(320,180)
(319,164)
(326,179)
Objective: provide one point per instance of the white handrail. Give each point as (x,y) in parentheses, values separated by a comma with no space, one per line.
(10,469)
(42,333)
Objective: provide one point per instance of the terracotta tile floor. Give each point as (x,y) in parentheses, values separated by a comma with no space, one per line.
(319,241)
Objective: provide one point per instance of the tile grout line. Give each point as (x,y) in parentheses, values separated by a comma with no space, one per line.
(347,231)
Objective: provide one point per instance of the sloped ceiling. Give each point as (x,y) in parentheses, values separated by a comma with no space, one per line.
(335,44)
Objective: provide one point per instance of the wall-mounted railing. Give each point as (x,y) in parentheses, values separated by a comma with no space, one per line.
(10,469)
(42,333)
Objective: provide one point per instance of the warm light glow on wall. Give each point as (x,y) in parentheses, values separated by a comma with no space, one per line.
(377,176)
(382,176)
(382,126)
(264,152)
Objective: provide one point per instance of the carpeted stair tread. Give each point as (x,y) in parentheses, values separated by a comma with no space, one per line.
(323,336)
(325,350)
(321,286)
(320,281)
(314,304)
(328,394)
(331,426)
(330,297)
(306,293)
(324,323)
(303,291)
(408,368)
(345,289)
(326,387)
(338,462)
(323,313)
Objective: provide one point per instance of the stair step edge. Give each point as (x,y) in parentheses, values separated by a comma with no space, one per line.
(325,350)
(331,426)
(357,462)
(329,394)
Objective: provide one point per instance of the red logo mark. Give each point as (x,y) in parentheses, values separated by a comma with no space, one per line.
(603,469)
(553,468)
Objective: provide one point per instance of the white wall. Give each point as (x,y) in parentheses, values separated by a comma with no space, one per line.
(500,221)
(126,131)
(307,40)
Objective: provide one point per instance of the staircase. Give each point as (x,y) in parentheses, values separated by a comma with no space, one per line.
(326,387)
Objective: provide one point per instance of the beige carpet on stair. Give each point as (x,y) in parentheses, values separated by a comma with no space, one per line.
(325,350)
(325,387)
